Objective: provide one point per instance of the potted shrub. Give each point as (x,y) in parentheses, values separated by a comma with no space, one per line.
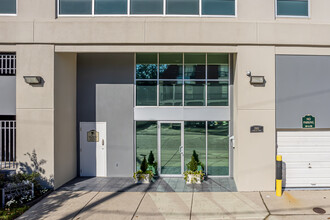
(143,175)
(152,165)
(192,175)
(200,165)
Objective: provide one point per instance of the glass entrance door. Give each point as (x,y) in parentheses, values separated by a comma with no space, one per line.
(170,148)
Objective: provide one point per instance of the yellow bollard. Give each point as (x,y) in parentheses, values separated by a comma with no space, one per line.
(278,175)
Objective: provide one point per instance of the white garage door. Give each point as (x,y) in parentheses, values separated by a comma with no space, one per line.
(306,158)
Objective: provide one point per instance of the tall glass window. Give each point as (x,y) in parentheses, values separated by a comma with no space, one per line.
(218,7)
(218,148)
(195,140)
(199,79)
(110,7)
(292,7)
(75,7)
(8,7)
(146,141)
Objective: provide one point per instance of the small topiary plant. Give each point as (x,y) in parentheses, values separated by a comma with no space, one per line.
(144,165)
(151,158)
(192,165)
(195,155)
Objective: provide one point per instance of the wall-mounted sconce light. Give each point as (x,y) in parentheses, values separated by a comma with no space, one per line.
(255,79)
(33,80)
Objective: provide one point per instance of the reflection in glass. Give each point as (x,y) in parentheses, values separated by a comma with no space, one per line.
(218,7)
(146,7)
(72,7)
(182,7)
(7,6)
(146,93)
(170,148)
(194,65)
(146,140)
(170,65)
(217,66)
(292,7)
(218,148)
(170,93)
(110,6)
(194,139)
(217,93)
(194,93)
(146,66)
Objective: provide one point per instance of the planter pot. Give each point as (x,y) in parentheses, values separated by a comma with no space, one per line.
(142,178)
(194,179)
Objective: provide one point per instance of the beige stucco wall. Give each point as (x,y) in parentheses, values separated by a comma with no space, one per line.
(254,153)
(35,107)
(65,147)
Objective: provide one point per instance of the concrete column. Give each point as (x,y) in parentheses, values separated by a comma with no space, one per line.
(254,155)
(35,109)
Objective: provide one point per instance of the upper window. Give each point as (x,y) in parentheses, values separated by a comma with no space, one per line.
(182,79)
(8,7)
(147,7)
(296,8)
(7,64)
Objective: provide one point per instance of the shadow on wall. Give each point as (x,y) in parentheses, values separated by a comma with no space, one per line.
(36,166)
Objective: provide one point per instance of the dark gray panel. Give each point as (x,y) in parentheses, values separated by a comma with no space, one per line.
(105,94)
(8,95)
(302,87)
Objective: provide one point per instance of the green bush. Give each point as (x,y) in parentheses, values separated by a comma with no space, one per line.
(144,165)
(151,158)
(192,165)
(195,155)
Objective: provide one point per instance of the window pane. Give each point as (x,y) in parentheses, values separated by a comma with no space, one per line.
(194,65)
(146,93)
(218,148)
(218,7)
(146,66)
(7,6)
(71,7)
(146,6)
(194,93)
(194,139)
(170,93)
(292,7)
(146,141)
(217,93)
(170,65)
(217,66)
(110,6)
(182,7)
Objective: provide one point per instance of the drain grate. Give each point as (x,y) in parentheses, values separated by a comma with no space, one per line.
(319,210)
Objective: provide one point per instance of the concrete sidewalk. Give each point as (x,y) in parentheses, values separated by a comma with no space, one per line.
(63,204)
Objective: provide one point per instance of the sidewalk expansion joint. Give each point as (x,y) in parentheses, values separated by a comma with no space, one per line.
(139,204)
(192,201)
(263,201)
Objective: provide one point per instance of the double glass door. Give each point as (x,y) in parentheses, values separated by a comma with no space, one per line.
(170,148)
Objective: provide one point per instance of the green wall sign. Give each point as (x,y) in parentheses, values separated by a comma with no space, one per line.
(308,121)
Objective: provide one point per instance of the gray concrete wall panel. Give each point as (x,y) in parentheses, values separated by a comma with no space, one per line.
(105,94)
(302,87)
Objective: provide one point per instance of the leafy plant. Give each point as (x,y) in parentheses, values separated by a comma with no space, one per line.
(195,155)
(143,175)
(195,175)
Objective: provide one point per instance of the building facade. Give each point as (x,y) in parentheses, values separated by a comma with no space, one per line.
(229,79)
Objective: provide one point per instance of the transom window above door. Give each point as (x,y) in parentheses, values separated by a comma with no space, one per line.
(182,79)
(292,8)
(147,7)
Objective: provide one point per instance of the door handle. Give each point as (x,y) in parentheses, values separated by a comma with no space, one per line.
(181,149)
(232,142)
(103,142)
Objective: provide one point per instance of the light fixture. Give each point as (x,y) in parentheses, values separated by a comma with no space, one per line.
(257,79)
(32,80)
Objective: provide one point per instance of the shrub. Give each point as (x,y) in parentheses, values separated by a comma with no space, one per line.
(195,155)
(192,165)
(144,165)
(151,158)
